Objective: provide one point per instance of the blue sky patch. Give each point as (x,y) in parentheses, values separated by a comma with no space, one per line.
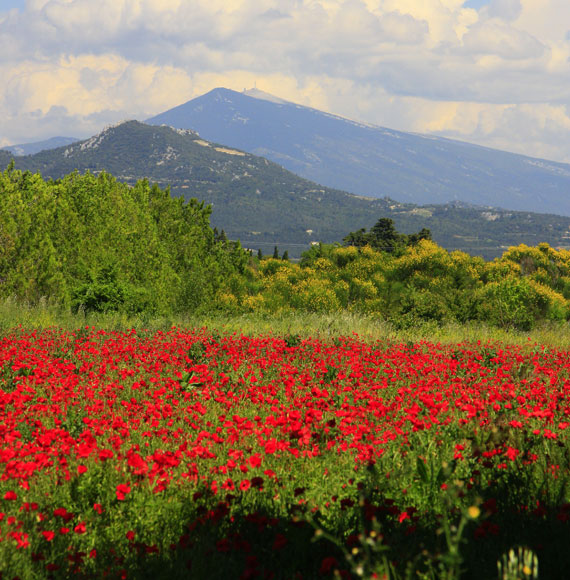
(476,4)
(6,5)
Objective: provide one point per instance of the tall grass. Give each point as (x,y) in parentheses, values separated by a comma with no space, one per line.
(14,314)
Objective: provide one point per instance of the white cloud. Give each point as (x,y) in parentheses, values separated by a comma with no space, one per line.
(542,131)
(496,75)
(496,38)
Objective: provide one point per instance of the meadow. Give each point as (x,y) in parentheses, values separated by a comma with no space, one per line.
(293,446)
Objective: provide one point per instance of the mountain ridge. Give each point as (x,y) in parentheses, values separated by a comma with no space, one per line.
(263,204)
(37,146)
(374,161)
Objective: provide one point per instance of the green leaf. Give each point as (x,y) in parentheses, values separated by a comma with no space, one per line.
(421,469)
(440,478)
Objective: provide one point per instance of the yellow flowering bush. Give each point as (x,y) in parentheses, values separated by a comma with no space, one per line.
(254,303)
(317,295)
(423,282)
(227,301)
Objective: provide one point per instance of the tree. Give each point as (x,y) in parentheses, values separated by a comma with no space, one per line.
(384,235)
(423,234)
(92,242)
(359,238)
(275,253)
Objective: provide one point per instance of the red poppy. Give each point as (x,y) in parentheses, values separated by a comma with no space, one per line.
(122,490)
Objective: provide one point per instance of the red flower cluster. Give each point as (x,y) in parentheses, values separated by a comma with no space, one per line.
(183,408)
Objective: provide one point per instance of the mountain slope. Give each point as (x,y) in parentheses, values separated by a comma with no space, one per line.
(263,204)
(36,147)
(370,160)
(5,158)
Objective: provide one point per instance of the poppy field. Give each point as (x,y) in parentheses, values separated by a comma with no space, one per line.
(199,454)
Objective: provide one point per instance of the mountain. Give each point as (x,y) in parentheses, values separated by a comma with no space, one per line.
(5,158)
(32,148)
(263,204)
(370,160)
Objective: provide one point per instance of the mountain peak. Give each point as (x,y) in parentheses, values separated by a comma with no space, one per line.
(95,141)
(370,160)
(263,96)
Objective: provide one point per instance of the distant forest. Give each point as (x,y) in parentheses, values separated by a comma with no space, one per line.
(90,243)
(260,203)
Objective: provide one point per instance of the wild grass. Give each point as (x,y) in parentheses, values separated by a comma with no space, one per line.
(14,314)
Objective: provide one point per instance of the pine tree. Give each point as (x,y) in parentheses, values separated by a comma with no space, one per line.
(384,235)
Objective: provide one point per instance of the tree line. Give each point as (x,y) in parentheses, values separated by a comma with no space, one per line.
(91,243)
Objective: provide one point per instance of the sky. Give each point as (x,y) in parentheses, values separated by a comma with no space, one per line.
(491,72)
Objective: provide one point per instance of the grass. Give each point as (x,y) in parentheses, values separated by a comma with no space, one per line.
(15,314)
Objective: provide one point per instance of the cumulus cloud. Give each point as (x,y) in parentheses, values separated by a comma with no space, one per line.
(494,74)
(498,39)
(543,131)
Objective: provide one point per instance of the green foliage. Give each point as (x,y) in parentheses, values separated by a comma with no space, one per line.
(104,292)
(510,302)
(93,245)
(521,564)
(98,245)
(385,237)
(421,283)
(249,194)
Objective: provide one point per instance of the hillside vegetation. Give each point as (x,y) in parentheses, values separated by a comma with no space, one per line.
(98,244)
(92,243)
(262,204)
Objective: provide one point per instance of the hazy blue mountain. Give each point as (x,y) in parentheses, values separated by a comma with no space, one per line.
(263,204)
(5,158)
(32,148)
(370,160)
